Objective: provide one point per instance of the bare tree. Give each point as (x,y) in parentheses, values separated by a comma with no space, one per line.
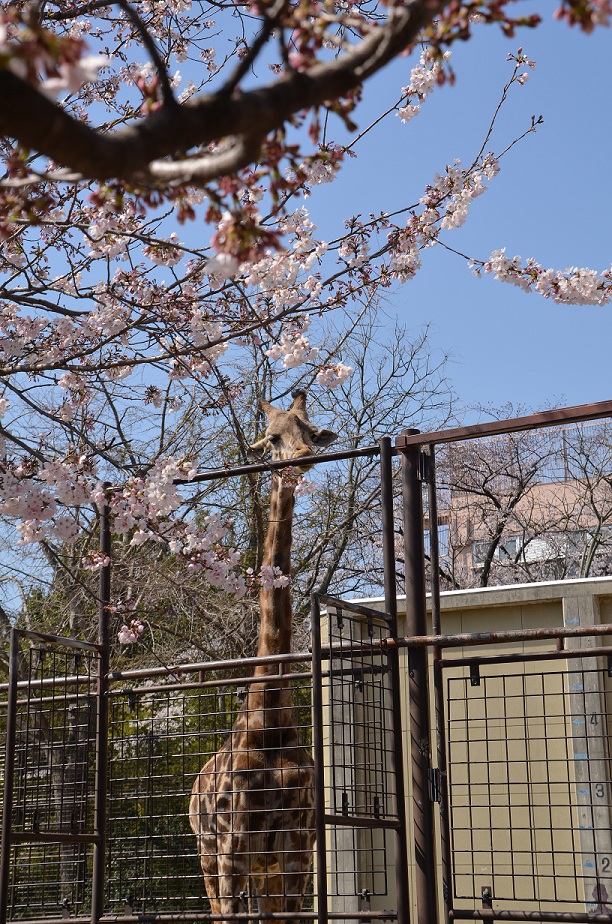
(587,455)
(528,506)
(398,382)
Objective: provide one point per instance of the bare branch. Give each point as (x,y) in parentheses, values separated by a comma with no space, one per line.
(151,47)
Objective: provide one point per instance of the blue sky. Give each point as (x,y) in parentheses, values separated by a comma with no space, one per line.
(552,201)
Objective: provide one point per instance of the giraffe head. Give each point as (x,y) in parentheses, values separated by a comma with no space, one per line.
(290,434)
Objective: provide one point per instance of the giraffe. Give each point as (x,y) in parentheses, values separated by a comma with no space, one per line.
(252,804)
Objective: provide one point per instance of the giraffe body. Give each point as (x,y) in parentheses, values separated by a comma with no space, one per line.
(252,804)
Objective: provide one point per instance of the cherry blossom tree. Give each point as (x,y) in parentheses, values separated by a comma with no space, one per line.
(173,611)
(155,236)
(322,56)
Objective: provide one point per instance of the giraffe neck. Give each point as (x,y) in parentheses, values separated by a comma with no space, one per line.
(275,603)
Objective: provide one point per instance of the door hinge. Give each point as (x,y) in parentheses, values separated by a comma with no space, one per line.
(435,790)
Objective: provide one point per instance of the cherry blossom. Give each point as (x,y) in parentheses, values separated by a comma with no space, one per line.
(164,253)
(294,346)
(95,561)
(73,76)
(305,487)
(272,577)
(423,78)
(130,635)
(332,376)
(136,297)
(222,265)
(573,286)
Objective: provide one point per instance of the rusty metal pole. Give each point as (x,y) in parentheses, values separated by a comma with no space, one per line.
(436,626)
(101,779)
(9,772)
(388,538)
(319,759)
(416,624)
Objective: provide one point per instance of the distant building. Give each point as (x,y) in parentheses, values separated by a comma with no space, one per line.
(519,508)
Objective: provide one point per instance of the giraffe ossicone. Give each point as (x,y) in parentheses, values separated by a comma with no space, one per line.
(252,804)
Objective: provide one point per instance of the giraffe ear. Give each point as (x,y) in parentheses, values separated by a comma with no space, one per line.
(266,406)
(324,437)
(260,447)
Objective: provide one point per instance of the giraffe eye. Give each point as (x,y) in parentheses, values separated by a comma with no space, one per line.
(274,438)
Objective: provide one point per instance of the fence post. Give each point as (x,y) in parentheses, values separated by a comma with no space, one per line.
(9,771)
(319,759)
(438,683)
(416,624)
(388,540)
(101,778)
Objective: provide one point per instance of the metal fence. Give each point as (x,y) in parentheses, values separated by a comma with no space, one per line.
(447,785)
(160,728)
(517,808)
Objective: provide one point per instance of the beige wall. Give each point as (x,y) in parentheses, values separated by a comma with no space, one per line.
(530,814)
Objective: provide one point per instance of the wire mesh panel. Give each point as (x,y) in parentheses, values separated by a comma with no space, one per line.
(50,842)
(153,760)
(529,787)
(361,817)
(160,740)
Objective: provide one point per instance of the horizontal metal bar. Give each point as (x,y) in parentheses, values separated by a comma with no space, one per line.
(297,657)
(52,837)
(59,640)
(255,467)
(561,917)
(578,414)
(250,917)
(232,681)
(47,700)
(443,641)
(362,821)
(160,917)
(336,651)
(208,684)
(40,684)
(493,638)
(564,654)
(357,608)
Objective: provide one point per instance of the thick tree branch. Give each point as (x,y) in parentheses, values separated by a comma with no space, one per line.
(40,125)
(203,169)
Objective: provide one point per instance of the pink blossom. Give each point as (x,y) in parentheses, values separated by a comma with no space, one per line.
(164,253)
(95,561)
(272,577)
(130,635)
(423,79)
(574,286)
(74,75)
(408,112)
(294,346)
(129,300)
(332,376)
(305,487)
(224,265)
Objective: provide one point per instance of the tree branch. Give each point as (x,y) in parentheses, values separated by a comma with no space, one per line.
(147,41)
(127,155)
